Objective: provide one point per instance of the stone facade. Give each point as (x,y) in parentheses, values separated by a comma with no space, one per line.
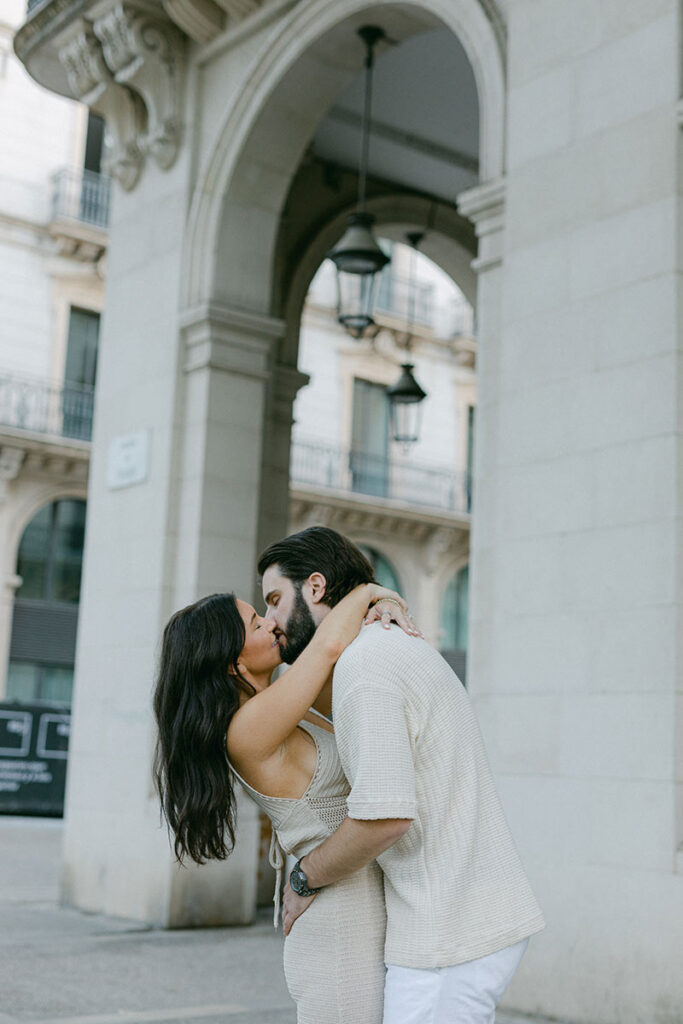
(573,217)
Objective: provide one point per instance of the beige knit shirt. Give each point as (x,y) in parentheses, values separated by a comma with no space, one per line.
(410,746)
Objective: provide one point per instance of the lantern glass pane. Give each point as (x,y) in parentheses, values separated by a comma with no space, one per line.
(355,299)
(405,421)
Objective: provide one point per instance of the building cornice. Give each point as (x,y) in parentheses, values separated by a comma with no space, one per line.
(355,510)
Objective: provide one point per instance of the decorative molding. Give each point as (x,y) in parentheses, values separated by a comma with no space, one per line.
(437,151)
(484,206)
(145,51)
(347,511)
(287,382)
(238,10)
(12,584)
(497,19)
(436,549)
(11,461)
(235,340)
(93,83)
(127,66)
(465,350)
(201,20)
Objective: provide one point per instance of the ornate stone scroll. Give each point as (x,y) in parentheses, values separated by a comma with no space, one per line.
(123,110)
(145,52)
(127,65)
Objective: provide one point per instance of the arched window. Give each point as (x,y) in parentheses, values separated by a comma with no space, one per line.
(384,570)
(51,553)
(454,620)
(43,643)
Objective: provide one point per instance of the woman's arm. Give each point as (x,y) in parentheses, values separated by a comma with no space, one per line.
(265,721)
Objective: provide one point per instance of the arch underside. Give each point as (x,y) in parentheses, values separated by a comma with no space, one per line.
(266,210)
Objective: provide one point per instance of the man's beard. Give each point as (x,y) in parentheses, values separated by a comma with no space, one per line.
(299,629)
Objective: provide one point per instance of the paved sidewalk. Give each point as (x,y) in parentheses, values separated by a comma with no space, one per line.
(59,966)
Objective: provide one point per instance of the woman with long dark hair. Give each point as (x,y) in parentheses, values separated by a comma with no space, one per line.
(214,703)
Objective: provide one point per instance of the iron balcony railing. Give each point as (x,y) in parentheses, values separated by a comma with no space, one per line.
(340,469)
(42,407)
(81,195)
(402,297)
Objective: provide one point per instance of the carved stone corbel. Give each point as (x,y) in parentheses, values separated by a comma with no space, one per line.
(93,83)
(11,461)
(436,549)
(145,52)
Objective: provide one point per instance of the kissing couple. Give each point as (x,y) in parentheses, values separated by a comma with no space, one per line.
(408,903)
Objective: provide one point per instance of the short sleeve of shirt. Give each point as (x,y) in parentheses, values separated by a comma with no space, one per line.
(374,746)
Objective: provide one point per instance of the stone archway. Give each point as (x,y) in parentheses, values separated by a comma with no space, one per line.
(277,115)
(194,304)
(449,242)
(239,278)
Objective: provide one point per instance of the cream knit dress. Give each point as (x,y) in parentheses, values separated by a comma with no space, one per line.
(334,954)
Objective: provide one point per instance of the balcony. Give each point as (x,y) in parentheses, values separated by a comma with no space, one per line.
(80,212)
(388,480)
(41,407)
(407,300)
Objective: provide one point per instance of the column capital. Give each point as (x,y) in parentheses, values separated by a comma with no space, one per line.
(286,383)
(484,205)
(226,338)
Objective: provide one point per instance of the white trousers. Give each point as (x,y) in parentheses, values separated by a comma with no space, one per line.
(463,994)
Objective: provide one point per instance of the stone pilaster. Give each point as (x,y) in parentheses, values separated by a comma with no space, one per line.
(485,207)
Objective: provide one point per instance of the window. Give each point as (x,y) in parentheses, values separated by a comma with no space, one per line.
(385,574)
(454,621)
(51,553)
(470,453)
(45,619)
(81,348)
(80,371)
(94,143)
(370,438)
(30,681)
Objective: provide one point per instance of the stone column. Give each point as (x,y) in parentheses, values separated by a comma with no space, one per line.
(186,400)
(576,570)
(485,207)
(285,383)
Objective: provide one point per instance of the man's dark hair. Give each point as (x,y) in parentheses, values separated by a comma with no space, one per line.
(319,549)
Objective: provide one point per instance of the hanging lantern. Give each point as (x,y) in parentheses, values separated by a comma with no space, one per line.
(405,403)
(358,259)
(357,256)
(406,395)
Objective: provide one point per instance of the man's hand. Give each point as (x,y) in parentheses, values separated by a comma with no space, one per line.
(293,906)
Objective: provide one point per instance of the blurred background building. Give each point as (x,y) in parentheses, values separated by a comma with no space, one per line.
(180,169)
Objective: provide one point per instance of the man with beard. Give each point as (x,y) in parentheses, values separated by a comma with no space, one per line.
(459,908)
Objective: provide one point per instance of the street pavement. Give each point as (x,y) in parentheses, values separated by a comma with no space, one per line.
(61,966)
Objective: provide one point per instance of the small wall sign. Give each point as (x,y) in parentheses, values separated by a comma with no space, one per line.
(128,461)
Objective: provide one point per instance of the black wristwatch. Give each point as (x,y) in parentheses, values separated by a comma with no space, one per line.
(299,882)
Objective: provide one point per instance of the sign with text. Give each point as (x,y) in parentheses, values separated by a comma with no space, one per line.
(128,461)
(34,745)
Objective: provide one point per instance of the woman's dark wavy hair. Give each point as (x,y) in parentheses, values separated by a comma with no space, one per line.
(197,692)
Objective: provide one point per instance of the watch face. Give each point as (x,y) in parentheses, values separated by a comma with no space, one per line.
(298,880)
